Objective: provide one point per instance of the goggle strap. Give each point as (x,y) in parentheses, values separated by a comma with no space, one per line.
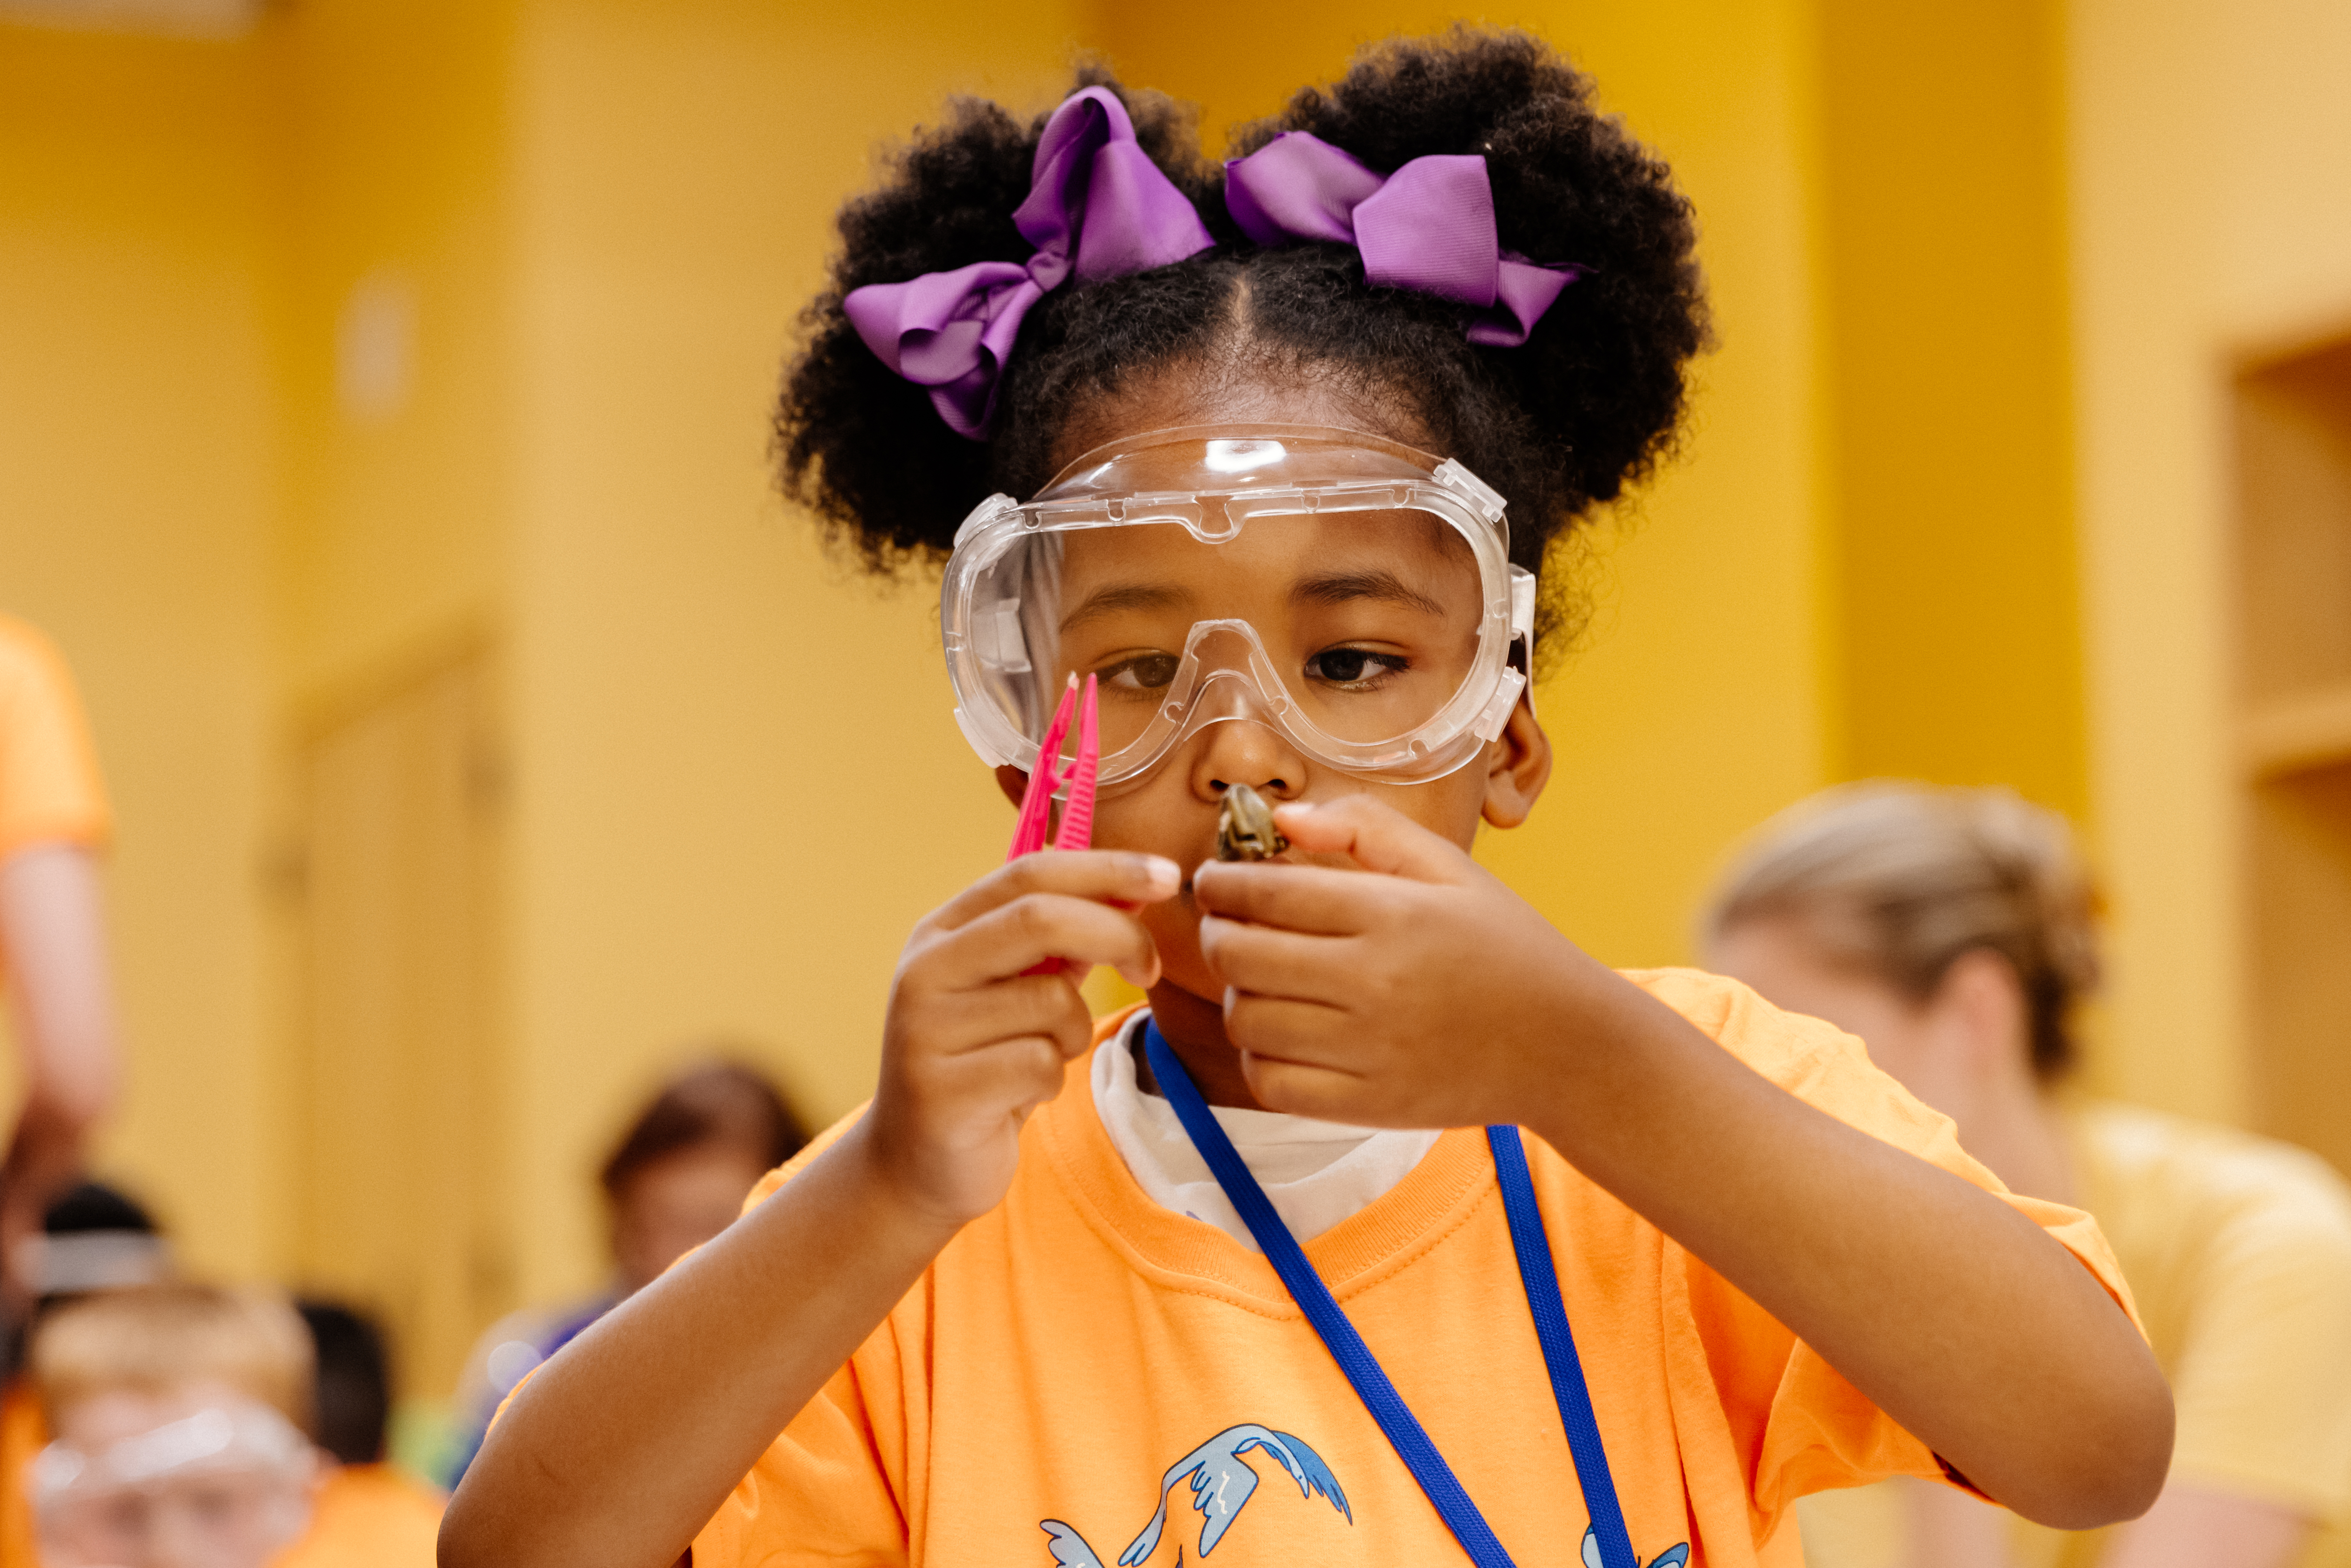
(1522,608)
(1524,584)
(1491,722)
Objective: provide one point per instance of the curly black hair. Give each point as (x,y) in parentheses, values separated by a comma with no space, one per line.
(1558,425)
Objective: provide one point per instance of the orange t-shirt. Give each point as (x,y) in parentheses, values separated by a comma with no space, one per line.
(24,1432)
(49,789)
(368,1516)
(1079,1362)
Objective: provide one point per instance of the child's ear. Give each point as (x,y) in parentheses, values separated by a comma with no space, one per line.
(1013,782)
(1517,766)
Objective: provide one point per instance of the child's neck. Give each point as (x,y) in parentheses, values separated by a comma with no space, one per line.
(1195,1029)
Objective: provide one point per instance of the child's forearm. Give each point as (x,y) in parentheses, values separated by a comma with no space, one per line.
(1952,1311)
(622,1448)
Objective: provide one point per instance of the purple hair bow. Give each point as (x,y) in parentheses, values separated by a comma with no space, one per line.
(1429,227)
(1097,207)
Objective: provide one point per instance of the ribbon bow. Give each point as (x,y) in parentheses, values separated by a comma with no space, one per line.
(1429,227)
(1097,207)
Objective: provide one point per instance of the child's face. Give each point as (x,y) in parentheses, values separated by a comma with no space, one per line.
(1172,811)
(199,1515)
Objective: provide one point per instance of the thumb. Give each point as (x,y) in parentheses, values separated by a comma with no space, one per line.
(1376,837)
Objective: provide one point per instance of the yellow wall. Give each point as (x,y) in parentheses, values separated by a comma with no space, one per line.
(2209,218)
(1949,515)
(140,481)
(392,149)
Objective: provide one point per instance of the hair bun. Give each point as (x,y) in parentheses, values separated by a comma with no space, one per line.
(862,446)
(1602,370)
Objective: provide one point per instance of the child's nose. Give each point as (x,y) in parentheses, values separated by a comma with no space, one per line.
(1242,751)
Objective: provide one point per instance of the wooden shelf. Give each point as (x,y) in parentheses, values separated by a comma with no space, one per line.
(2298,733)
(2292,548)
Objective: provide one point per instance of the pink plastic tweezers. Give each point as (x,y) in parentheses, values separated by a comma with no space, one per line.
(1078,811)
(1046,782)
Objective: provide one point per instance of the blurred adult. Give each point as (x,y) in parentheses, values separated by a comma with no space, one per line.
(1951,930)
(366,1513)
(677,1178)
(53,817)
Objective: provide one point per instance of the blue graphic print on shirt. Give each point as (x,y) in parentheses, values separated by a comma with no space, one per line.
(1222,1483)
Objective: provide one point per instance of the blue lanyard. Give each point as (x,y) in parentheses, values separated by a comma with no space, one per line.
(1354,1357)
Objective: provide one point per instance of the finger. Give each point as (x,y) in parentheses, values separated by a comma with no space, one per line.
(1376,836)
(1116,875)
(1014,1074)
(1021,935)
(1316,899)
(1264,961)
(1325,1093)
(969,1020)
(1288,1029)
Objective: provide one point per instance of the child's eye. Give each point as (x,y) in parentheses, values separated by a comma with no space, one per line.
(1354,666)
(1144,673)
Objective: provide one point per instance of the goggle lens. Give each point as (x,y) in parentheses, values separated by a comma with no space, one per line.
(1353,595)
(1364,625)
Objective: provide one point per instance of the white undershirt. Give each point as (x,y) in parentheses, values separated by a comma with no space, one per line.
(1316,1174)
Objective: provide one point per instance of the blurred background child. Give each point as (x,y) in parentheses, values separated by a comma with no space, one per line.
(94,1238)
(100,1247)
(367,1512)
(1951,930)
(177,1414)
(676,1177)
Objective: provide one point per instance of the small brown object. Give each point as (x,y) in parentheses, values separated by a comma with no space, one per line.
(1245,829)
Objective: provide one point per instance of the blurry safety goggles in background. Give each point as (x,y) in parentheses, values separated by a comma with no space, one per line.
(225,1487)
(1355,595)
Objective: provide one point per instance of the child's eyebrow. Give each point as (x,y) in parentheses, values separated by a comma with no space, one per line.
(1381,585)
(1121,596)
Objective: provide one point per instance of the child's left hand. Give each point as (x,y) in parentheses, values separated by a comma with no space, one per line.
(1431,996)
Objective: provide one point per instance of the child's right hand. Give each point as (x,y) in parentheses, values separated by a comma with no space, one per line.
(973,1043)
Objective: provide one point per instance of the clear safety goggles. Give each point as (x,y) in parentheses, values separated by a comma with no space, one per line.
(1355,595)
(220,1489)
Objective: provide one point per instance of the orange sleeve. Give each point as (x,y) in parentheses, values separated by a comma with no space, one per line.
(49,788)
(1800,1425)
(839,1469)
(825,1486)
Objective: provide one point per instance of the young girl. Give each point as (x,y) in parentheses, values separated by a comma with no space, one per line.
(1032,1304)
